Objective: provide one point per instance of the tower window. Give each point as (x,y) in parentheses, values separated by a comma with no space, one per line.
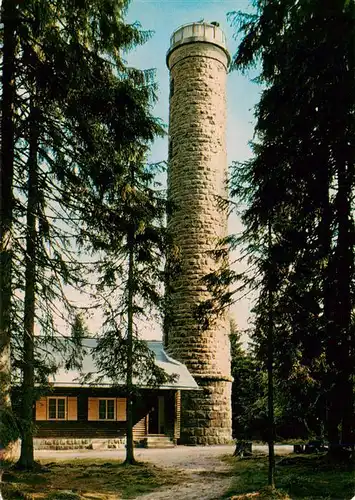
(172,87)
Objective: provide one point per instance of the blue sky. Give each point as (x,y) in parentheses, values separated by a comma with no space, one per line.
(163,17)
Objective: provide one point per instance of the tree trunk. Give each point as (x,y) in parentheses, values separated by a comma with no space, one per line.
(129,382)
(332,409)
(339,355)
(347,431)
(344,303)
(333,418)
(348,427)
(343,153)
(9,9)
(333,415)
(27,456)
(270,367)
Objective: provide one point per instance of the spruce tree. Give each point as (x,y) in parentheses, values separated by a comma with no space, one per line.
(9,18)
(131,281)
(83,110)
(302,169)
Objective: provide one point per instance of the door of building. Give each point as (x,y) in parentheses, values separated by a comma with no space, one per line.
(161,417)
(153,423)
(156,424)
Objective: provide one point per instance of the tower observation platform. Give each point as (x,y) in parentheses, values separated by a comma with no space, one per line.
(198,32)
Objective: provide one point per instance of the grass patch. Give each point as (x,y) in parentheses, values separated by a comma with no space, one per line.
(87,479)
(308,477)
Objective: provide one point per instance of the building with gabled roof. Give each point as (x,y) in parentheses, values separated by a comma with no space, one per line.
(80,411)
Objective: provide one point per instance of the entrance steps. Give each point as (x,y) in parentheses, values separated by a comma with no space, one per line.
(157,441)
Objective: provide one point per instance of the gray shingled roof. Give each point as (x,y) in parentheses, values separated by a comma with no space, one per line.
(74,378)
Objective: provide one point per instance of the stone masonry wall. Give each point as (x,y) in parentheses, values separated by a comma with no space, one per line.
(196,178)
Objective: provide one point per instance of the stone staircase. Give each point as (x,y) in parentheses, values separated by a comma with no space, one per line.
(157,441)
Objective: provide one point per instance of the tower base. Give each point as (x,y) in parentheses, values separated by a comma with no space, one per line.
(206,414)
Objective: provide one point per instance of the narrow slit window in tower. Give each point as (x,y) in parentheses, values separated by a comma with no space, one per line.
(172,89)
(171,149)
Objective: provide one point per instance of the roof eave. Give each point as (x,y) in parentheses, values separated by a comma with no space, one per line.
(108,385)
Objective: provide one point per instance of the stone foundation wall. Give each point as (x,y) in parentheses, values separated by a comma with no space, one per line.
(196,181)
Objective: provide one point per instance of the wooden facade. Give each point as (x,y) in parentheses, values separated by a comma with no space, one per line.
(73,410)
(82,412)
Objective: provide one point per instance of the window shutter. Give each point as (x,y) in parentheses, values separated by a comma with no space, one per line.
(177,420)
(72,411)
(121,409)
(41,409)
(93,409)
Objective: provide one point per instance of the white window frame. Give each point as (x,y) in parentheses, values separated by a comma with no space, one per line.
(114,410)
(56,398)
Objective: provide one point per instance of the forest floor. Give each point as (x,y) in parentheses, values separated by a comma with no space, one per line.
(178,473)
(183,473)
(307,477)
(87,480)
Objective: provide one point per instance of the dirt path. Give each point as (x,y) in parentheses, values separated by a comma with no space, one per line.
(207,476)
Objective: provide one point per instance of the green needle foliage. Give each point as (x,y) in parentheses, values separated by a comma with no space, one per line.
(301,177)
(131,278)
(73,116)
(8,429)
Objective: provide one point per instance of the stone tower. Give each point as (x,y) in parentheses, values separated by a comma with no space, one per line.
(198,62)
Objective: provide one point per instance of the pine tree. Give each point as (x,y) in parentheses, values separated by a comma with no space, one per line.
(28,384)
(82,108)
(133,271)
(303,170)
(247,390)
(9,20)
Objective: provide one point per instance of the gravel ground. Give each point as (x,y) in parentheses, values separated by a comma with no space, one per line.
(207,476)
(187,457)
